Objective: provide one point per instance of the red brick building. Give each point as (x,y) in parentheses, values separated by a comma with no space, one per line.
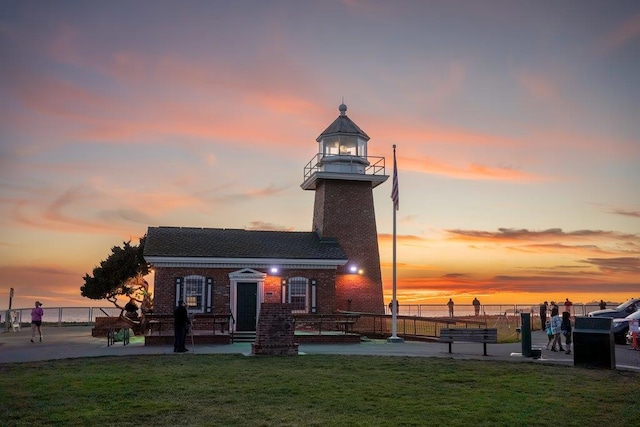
(336,266)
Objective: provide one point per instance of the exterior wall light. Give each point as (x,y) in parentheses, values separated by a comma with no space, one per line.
(353,269)
(274,270)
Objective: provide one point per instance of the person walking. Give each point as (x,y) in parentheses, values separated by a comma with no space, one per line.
(543,315)
(565,327)
(36,320)
(556,324)
(547,328)
(476,306)
(450,305)
(181,324)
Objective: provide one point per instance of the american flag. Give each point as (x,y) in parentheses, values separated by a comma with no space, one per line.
(395,192)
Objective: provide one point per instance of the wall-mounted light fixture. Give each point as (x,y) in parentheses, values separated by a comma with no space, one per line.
(353,269)
(274,270)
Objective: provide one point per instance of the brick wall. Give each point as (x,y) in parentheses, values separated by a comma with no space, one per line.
(345,210)
(164,287)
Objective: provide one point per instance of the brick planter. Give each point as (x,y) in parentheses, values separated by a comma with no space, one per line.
(275,331)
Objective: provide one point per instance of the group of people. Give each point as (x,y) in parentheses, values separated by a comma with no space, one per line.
(557,326)
(476,306)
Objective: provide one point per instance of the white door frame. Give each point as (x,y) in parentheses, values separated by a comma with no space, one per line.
(245,275)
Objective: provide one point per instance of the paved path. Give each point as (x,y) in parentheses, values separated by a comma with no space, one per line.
(76,341)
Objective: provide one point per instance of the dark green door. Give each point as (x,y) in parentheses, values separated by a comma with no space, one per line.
(247,305)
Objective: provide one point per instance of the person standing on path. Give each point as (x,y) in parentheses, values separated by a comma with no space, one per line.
(543,315)
(565,327)
(556,324)
(603,305)
(476,306)
(36,320)
(567,305)
(180,324)
(450,305)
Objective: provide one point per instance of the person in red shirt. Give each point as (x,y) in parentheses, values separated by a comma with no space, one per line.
(567,305)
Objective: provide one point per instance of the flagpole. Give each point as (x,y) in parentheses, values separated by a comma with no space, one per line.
(395,196)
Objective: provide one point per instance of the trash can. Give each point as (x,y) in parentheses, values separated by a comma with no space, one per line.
(593,343)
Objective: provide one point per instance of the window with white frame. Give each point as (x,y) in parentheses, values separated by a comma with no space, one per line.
(298,294)
(194,293)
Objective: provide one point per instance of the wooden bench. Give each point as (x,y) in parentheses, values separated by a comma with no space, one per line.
(484,336)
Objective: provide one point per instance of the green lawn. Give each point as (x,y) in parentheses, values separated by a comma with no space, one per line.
(235,390)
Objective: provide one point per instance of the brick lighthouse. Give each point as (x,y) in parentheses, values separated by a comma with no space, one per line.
(343,178)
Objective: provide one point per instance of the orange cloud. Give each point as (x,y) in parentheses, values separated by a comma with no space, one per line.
(512,234)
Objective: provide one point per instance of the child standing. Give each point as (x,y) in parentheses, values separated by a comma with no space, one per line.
(547,328)
(556,324)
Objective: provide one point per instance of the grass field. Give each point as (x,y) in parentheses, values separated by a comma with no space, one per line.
(235,390)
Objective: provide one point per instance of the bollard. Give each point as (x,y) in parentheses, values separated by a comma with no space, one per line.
(525,329)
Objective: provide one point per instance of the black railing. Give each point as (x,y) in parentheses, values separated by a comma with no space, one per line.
(376,325)
(376,164)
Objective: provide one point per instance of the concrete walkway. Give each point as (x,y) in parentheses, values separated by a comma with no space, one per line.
(77,342)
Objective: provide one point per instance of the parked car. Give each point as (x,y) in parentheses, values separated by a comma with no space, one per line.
(620,312)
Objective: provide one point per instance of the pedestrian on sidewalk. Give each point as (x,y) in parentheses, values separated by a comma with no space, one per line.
(450,305)
(476,306)
(547,329)
(566,330)
(543,315)
(36,320)
(556,324)
(181,325)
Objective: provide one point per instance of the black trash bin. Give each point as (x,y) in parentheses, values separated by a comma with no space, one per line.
(593,343)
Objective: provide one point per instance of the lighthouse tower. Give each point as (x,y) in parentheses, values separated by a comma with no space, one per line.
(343,178)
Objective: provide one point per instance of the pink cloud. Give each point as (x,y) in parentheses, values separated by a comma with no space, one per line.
(623,34)
(468,171)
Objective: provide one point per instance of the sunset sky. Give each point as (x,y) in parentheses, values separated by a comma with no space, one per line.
(517,125)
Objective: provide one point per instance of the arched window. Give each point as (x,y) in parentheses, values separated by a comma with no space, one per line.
(298,294)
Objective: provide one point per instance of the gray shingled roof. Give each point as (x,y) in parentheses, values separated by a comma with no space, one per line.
(236,243)
(343,125)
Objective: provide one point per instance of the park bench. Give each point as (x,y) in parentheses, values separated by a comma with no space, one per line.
(484,336)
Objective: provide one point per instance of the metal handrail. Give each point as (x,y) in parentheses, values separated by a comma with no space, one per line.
(376,164)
